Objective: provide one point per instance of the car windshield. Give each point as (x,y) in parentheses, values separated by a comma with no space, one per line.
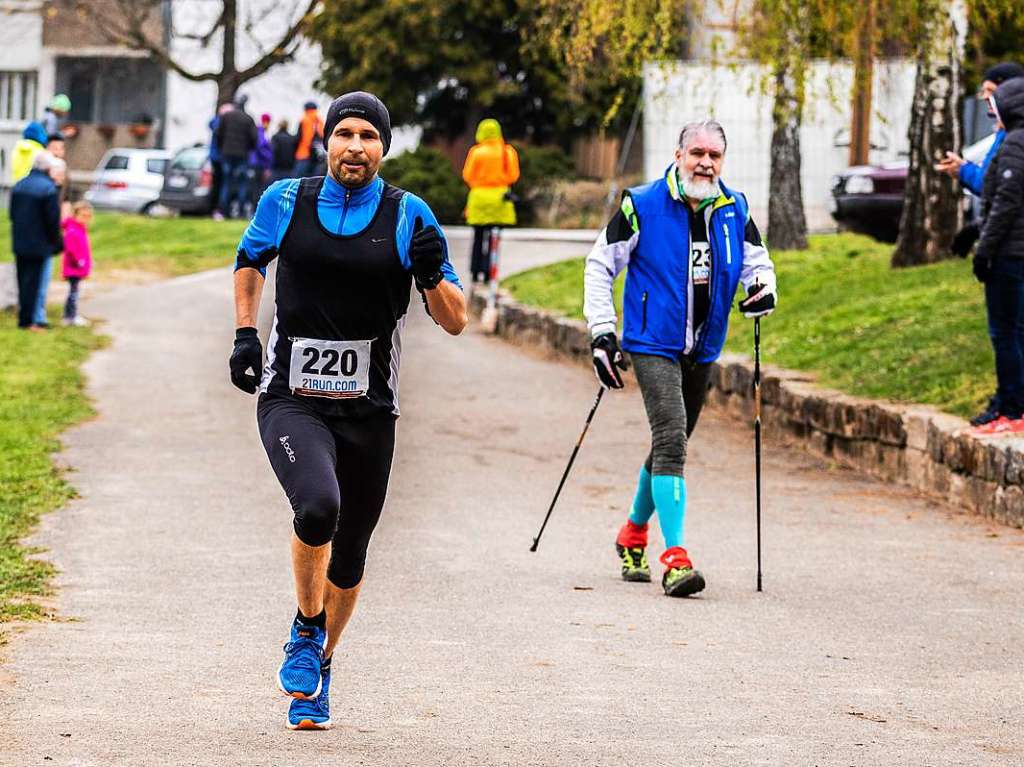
(156,166)
(189,159)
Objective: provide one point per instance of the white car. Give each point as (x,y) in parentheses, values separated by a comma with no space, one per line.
(129,179)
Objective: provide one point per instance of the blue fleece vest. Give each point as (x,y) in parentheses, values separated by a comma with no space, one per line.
(657,291)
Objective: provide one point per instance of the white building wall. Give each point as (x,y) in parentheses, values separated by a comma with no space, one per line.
(21,50)
(678,93)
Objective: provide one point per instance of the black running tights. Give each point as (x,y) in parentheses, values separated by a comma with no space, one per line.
(335,473)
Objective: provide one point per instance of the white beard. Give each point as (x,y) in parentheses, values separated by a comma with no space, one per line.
(699,189)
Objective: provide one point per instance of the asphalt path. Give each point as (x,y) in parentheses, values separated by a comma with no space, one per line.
(890,631)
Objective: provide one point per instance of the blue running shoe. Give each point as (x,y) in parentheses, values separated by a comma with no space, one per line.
(299,675)
(312,714)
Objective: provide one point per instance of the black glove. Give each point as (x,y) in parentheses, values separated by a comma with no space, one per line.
(247,354)
(608,360)
(427,254)
(760,301)
(965,239)
(982,268)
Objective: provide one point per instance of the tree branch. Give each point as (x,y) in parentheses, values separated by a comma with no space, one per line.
(127,28)
(204,40)
(284,49)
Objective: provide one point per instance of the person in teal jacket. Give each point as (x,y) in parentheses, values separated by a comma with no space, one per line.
(689,242)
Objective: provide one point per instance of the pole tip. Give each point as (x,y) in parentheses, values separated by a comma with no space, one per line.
(534,546)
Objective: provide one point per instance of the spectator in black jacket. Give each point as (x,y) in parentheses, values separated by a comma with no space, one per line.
(999,261)
(35,231)
(283,145)
(235,136)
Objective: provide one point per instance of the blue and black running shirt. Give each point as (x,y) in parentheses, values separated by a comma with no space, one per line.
(344,277)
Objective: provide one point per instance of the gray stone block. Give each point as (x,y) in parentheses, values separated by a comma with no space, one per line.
(820,442)
(915,422)
(940,428)
(917,462)
(1009,502)
(938,478)
(1014,466)
(890,462)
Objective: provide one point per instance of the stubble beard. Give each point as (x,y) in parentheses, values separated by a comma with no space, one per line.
(352,179)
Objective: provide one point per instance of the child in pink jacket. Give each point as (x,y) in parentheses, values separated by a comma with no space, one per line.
(77,258)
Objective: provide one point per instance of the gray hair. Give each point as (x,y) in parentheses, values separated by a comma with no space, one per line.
(47,162)
(690,130)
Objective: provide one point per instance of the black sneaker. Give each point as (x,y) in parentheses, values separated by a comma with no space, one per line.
(990,414)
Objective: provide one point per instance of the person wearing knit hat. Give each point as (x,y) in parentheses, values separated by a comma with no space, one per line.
(365,106)
(350,248)
(972,176)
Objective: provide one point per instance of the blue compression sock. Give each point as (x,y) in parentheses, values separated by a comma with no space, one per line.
(670,499)
(643,501)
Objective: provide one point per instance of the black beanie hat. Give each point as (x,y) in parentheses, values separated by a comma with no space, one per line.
(1000,73)
(359,104)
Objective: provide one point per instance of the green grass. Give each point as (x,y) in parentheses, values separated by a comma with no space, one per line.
(42,395)
(165,246)
(911,335)
(43,387)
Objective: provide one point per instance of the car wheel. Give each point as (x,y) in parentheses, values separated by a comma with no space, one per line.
(156,210)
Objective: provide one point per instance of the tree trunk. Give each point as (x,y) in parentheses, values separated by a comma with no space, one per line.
(931,201)
(227,81)
(787,226)
(863,80)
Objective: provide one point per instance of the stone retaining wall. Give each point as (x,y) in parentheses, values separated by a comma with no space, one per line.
(912,445)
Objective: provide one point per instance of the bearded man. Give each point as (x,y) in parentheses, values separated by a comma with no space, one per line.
(688,242)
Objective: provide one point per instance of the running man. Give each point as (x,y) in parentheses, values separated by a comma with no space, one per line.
(350,246)
(688,242)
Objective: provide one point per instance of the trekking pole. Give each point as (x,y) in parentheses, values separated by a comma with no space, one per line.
(489,316)
(572,458)
(757,438)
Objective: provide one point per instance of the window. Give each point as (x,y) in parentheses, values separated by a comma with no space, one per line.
(117,162)
(17,96)
(190,159)
(156,166)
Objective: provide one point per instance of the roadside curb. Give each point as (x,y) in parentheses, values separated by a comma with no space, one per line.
(585,236)
(913,445)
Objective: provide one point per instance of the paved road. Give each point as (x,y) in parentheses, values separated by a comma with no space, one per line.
(891,632)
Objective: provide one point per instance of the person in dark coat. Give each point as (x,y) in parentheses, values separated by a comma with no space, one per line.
(236,136)
(35,231)
(999,258)
(283,145)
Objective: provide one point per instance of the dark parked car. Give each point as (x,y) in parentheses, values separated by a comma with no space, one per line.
(188,181)
(869,198)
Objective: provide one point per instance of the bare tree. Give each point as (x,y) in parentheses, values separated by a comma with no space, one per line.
(148,25)
(931,200)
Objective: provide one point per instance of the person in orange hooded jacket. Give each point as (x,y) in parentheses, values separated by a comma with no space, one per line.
(491,168)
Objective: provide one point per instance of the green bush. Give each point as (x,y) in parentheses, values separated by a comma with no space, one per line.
(540,167)
(428,174)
